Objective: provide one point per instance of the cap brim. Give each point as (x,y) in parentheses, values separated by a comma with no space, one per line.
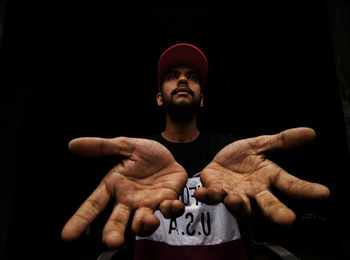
(183,54)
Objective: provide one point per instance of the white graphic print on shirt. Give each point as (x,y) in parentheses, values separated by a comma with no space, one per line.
(201,224)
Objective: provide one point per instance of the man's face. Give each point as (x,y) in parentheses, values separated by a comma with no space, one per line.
(181,89)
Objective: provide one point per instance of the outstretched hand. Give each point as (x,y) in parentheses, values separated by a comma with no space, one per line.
(147,178)
(240,172)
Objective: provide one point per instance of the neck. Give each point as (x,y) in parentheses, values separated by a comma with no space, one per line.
(180,131)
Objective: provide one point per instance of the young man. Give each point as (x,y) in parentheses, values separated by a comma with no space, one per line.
(176,212)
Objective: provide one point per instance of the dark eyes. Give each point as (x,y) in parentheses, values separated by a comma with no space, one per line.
(189,76)
(172,76)
(193,77)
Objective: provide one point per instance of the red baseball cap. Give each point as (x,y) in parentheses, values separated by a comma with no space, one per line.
(183,54)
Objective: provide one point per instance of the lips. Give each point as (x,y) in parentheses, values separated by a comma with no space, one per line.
(182,89)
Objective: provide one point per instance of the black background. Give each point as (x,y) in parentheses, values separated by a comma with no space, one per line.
(89,69)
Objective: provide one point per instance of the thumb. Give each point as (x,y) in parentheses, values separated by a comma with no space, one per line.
(288,139)
(98,147)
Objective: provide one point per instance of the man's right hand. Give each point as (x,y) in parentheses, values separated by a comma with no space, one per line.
(146,179)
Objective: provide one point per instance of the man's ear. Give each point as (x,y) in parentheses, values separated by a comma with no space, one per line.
(202,100)
(159,99)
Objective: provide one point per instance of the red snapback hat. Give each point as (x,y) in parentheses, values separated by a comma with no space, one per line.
(183,54)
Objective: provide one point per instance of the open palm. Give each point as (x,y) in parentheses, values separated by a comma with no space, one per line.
(147,178)
(240,172)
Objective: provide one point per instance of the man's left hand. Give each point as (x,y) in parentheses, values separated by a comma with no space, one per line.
(240,172)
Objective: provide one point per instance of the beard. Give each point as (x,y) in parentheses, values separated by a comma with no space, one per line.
(182,111)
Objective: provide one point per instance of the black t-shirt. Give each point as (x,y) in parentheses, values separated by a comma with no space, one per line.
(194,156)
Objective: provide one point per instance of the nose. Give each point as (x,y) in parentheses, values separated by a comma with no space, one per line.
(182,77)
(182,80)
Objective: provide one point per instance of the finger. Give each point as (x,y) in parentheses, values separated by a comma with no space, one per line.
(172,208)
(210,196)
(298,188)
(144,222)
(97,147)
(87,212)
(238,205)
(288,139)
(113,231)
(274,210)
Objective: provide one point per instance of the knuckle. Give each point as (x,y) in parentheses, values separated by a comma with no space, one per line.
(94,204)
(82,218)
(271,204)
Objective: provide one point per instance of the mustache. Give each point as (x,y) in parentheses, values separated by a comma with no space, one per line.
(177,90)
